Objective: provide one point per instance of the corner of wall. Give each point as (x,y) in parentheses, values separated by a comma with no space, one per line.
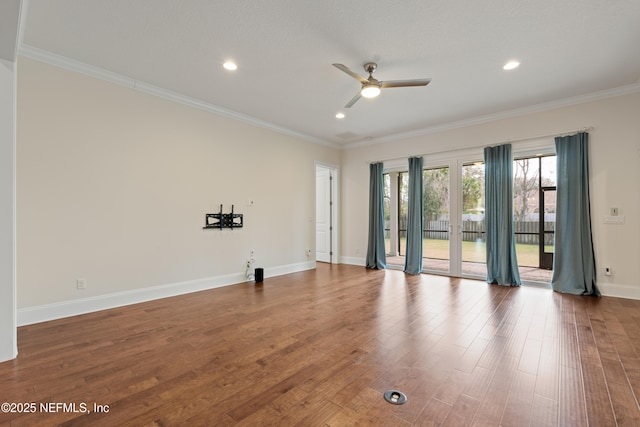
(619,290)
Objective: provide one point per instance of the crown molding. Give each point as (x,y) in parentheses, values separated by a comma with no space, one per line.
(516,112)
(24,10)
(64,62)
(60,61)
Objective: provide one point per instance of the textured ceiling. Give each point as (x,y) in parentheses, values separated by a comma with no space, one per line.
(285,48)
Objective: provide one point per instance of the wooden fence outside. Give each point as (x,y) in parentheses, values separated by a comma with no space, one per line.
(474,230)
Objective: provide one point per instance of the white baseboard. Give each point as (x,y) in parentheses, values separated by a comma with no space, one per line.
(46,312)
(353,261)
(619,291)
(8,355)
(290,268)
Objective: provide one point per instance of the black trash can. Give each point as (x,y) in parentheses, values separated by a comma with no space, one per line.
(259,274)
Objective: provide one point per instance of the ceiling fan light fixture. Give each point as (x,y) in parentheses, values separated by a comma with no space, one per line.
(371,87)
(370,91)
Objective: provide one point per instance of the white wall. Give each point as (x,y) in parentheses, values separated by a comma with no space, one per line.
(113,187)
(615,174)
(8,342)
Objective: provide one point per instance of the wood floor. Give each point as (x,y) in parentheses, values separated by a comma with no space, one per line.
(319,348)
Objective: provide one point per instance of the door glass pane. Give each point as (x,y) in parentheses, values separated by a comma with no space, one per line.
(526,203)
(473,231)
(403,207)
(435,196)
(386,179)
(526,210)
(548,171)
(528,250)
(549,219)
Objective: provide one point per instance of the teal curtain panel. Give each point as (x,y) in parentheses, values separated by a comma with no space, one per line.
(415,220)
(375,248)
(574,264)
(502,262)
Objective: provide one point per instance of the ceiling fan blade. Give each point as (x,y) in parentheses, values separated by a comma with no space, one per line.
(351,73)
(405,83)
(353,100)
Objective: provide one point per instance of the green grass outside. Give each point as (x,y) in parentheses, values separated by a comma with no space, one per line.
(528,255)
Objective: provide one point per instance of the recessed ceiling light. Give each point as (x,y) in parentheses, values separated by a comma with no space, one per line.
(230,65)
(511,65)
(340,116)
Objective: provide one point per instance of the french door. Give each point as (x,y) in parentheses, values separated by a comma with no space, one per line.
(452,237)
(454,234)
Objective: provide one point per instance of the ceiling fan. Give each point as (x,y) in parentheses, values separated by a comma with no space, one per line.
(371,87)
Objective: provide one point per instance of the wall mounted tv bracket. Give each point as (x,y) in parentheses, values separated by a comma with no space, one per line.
(223,220)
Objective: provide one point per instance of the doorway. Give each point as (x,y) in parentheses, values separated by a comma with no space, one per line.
(534,201)
(326,213)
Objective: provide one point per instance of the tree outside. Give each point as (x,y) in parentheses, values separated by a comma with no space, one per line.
(435,194)
(472,187)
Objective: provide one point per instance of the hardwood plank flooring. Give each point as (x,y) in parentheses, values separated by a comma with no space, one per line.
(320,348)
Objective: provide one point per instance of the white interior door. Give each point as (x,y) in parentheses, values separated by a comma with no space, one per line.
(324,220)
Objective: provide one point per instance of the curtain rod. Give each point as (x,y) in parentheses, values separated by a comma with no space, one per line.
(529,138)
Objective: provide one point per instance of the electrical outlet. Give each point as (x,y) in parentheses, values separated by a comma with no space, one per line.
(81,283)
(308,252)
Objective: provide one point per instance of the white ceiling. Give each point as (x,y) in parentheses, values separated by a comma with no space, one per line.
(569,49)
(9,19)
